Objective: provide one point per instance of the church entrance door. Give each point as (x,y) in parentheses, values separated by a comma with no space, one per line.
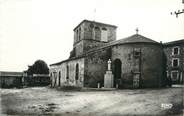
(117,73)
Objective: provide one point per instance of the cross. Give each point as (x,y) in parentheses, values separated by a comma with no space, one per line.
(137,30)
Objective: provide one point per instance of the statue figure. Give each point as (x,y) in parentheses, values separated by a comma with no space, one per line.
(109,64)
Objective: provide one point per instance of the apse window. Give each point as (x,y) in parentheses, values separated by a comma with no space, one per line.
(137,54)
(175,62)
(175,51)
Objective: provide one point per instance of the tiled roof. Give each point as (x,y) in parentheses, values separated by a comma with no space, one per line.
(136,38)
(94,22)
(67,60)
(175,42)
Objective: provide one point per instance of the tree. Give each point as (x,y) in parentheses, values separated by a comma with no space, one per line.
(39,67)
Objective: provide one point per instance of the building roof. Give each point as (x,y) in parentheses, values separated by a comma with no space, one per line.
(136,38)
(74,58)
(6,73)
(94,22)
(174,42)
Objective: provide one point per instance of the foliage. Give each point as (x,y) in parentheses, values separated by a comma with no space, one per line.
(39,67)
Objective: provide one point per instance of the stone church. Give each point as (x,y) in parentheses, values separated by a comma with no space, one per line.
(136,61)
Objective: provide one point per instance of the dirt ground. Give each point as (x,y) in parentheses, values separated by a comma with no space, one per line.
(47,101)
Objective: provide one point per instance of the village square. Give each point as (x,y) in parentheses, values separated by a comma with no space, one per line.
(103,76)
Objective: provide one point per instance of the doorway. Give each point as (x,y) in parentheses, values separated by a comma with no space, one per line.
(117,73)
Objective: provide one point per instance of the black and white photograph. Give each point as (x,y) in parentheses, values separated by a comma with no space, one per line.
(91,57)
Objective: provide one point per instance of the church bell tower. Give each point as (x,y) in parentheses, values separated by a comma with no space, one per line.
(90,34)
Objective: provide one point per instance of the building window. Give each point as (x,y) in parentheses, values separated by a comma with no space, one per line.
(129,56)
(59,78)
(77,72)
(91,26)
(79,34)
(104,34)
(174,75)
(175,51)
(67,72)
(97,33)
(175,62)
(104,29)
(136,53)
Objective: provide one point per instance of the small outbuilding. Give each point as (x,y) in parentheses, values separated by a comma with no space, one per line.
(11,79)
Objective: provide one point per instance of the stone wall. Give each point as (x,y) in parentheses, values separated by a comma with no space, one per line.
(150,65)
(95,67)
(67,75)
(79,49)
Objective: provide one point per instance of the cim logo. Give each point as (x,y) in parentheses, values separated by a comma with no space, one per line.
(167,106)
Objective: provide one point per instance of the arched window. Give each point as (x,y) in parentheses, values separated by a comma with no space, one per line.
(67,72)
(97,28)
(77,72)
(79,34)
(97,33)
(104,29)
(104,34)
(59,78)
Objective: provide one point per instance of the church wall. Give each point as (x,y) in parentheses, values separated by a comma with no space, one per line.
(79,48)
(95,67)
(150,65)
(70,78)
(88,44)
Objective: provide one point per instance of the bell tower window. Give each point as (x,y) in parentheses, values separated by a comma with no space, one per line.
(97,33)
(79,34)
(104,34)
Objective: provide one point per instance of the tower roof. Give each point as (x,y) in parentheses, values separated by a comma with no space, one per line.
(94,22)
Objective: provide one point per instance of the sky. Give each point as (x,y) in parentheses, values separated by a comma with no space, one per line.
(43,29)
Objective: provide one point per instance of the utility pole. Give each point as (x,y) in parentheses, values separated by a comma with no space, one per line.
(178,11)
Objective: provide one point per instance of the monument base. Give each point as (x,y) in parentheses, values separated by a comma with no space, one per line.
(108,79)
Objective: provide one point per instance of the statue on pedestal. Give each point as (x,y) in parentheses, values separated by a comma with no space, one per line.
(108,77)
(109,64)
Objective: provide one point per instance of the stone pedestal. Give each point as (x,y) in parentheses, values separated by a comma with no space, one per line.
(108,79)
